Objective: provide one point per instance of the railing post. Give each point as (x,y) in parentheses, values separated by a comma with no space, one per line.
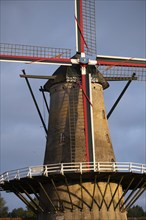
(94,166)
(81,168)
(98,166)
(130,167)
(142,168)
(7,176)
(45,170)
(17,175)
(62,170)
(29,173)
(2,179)
(114,167)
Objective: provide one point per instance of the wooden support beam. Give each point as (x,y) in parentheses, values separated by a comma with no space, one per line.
(33,190)
(56,191)
(107,183)
(130,195)
(37,76)
(124,193)
(35,102)
(37,206)
(85,189)
(47,196)
(73,195)
(101,196)
(136,196)
(93,192)
(66,182)
(46,103)
(81,188)
(112,199)
(21,197)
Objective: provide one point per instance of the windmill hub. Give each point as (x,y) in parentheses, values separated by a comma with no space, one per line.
(84,60)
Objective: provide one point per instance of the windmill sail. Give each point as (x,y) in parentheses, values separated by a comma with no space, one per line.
(89,26)
(80,41)
(34,54)
(85,26)
(116,68)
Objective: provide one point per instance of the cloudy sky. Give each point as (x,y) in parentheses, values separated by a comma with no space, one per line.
(120,31)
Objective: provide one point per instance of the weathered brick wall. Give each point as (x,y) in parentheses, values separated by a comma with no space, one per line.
(66,142)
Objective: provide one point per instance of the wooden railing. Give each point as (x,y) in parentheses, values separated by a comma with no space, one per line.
(63,168)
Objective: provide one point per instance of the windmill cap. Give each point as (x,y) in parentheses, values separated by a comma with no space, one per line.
(64,72)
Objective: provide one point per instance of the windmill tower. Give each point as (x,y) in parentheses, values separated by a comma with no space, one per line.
(80,178)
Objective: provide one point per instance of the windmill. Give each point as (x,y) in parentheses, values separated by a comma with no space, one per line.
(89,182)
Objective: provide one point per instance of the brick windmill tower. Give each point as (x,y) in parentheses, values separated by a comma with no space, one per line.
(80,178)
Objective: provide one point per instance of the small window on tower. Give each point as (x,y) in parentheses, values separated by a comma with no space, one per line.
(103,114)
(62,138)
(107,138)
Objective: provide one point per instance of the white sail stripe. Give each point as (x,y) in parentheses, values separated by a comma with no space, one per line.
(122,58)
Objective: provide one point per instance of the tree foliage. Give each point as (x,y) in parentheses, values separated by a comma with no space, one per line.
(136,211)
(29,213)
(17,212)
(3,208)
(21,213)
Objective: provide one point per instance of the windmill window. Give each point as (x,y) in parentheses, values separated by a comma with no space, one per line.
(103,114)
(107,138)
(62,138)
